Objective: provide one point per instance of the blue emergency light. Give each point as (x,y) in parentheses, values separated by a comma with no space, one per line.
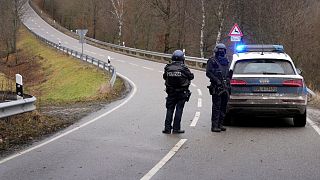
(241,48)
(259,48)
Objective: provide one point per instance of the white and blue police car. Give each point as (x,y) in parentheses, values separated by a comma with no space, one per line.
(266,83)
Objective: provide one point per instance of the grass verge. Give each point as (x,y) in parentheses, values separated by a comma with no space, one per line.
(60,83)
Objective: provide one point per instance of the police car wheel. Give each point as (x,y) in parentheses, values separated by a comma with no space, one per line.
(300,120)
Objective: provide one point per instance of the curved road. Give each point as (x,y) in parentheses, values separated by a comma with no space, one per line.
(124,140)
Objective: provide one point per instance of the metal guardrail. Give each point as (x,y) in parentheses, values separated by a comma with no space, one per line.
(84,57)
(144,53)
(15,107)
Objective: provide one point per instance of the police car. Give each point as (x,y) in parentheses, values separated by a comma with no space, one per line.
(266,83)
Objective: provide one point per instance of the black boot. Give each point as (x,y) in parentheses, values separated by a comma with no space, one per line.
(166,131)
(177,131)
(222,128)
(215,129)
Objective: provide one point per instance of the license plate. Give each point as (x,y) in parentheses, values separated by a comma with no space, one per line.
(265,89)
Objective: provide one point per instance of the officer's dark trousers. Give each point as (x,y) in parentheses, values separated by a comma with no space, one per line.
(219,108)
(174,102)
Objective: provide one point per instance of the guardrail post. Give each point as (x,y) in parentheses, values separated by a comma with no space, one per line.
(98,63)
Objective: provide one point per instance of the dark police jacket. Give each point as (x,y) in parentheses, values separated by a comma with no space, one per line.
(177,76)
(218,72)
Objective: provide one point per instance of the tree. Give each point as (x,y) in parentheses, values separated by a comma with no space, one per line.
(118,12)
(12,13)
(164,11)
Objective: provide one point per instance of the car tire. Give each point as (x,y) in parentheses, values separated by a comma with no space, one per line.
(300,120)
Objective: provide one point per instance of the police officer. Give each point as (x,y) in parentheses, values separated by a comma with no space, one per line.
(177,78)
(218,73)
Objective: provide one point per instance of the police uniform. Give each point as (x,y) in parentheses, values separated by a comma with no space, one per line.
(177,78)
(218,73)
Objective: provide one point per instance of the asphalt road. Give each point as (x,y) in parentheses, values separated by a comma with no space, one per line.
(124,140)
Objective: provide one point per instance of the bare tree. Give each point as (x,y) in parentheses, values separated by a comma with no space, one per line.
(203,24)
(12,13)
(223,6)
(118,12)
(163,7)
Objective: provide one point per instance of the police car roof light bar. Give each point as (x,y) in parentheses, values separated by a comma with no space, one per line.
(260,48)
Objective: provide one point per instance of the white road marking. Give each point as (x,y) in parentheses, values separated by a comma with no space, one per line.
(195,119)
(93,53)
(133,64)
(199,102)
(101,55)
(59,39)
(66,42)
(193,85)
(161,72)
(199,92)
(77,128)
(312,124)
(47,32)
(147,68)
(164,160)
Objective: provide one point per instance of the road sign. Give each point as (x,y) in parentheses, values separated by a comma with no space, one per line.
(235,31)
(235,38)
(82,33)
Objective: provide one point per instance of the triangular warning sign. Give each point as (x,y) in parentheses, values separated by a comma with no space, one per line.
(235,31)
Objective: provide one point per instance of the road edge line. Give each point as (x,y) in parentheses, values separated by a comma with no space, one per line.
(313,125)
(164,160)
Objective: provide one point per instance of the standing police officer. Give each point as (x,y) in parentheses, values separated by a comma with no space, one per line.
(177,78)
(218,73)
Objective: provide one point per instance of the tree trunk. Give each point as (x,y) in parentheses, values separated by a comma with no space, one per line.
(203,24)
(221,20)
(168,29)
(120,33)
(94,20)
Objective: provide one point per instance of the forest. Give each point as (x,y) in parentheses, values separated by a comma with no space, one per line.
(193,25)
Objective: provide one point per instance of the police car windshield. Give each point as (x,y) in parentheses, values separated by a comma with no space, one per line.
(264,66)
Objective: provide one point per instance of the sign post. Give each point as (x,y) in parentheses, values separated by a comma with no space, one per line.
(82,34)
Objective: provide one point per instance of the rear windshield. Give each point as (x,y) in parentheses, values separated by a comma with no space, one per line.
(263,66)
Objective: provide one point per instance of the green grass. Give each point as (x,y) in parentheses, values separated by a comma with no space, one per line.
(67,80)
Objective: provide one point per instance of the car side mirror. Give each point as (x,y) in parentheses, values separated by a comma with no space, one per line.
(299,71)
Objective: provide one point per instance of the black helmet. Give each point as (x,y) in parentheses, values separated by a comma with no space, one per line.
(177,55)
(220,50)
